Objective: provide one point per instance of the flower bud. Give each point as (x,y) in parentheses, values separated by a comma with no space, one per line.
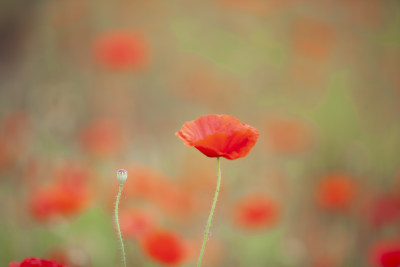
(122,175)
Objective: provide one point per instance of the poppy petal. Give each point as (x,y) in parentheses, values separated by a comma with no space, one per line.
(219,136)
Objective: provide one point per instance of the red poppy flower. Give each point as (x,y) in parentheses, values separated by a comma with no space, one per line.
(219,136)
(385,253)
(69,194)
(336,192)
(122,51)
(56,200)
(257,212)
(165,247)
(34,262)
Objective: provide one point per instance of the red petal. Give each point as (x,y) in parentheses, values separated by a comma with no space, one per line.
(219,136)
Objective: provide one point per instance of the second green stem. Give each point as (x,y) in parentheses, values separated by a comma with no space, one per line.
(117,223)
(211,213)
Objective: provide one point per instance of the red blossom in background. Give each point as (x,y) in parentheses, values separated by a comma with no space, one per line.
(68,194)
(35,262)
(122,50)
(219,136)
(256,212)
(336,192)
(165,247)
(385,253)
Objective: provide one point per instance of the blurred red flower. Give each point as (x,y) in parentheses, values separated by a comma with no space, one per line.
(336,192)
(288,136)
(256,212)
(165,247)
(68,194)
(122,50)
(219,136)
(101,137)
(34,262)
(385,253)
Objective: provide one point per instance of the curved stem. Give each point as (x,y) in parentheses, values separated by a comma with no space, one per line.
(211,213)
(117,223)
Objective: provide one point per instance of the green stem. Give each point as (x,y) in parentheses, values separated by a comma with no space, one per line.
(211,213)
(117,222)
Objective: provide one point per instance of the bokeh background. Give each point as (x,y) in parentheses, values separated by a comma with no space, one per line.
(88,87)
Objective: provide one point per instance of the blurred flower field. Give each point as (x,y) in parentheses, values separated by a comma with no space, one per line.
(90,87)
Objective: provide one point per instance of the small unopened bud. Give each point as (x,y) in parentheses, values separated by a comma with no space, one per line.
(122,175)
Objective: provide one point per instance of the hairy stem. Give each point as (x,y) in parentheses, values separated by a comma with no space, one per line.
(117,223)
(211,213)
